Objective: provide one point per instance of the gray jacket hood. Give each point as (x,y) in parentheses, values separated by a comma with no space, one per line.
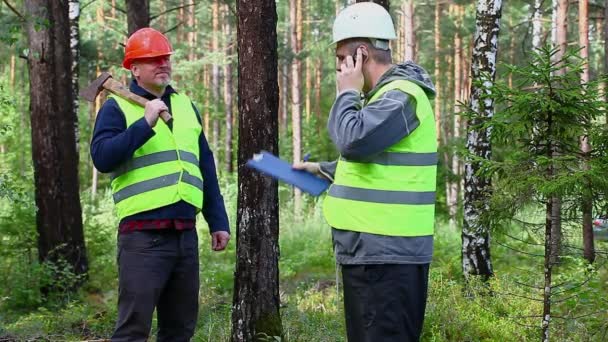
(406,71)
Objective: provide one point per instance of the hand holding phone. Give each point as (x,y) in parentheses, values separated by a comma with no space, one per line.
(350,76)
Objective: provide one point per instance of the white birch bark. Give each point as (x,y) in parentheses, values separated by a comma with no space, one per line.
(475,234)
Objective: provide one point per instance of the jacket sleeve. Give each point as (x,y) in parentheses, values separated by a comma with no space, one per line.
(113,143)
(362,132)
(214,210)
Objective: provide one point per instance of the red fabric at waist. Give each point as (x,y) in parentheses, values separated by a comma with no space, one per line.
(177,224)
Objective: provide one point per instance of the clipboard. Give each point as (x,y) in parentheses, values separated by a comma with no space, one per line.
(270,165)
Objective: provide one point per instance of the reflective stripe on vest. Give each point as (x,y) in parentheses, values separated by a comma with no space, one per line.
(391,193)
(154,158)
(165,170)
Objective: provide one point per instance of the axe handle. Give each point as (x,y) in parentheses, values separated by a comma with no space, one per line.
(119,89)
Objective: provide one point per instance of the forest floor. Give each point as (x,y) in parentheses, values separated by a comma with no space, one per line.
(311,302)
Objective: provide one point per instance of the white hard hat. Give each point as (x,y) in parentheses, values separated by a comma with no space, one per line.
(363,20)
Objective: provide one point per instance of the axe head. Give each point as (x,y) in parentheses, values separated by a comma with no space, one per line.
(90,93)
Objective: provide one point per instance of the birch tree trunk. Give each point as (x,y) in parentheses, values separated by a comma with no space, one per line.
(54,155)
(74,16)
(475,233)
(255,310)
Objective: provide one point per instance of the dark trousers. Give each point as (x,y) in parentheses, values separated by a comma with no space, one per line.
(384,303)
(157,269)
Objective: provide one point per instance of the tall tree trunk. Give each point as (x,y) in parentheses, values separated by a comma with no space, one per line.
(454,184)
(409,30)
(228,89)
(383,3)
(12,74)
(587,205)
(318,86)
(192,29)
(475,233)
(138,14)
(537,24)
(101,21)
(296,103)
(59,215)
(255,310)
(438,94)
(606,49)
(559,32)
(309,71)
(286,76)
(548,269)
(207,106)
(74,16)
(162,20)
(215,82)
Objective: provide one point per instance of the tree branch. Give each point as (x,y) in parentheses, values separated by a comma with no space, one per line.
(87,4)
(119,9)
(21,17)
(174,27)
(170,10)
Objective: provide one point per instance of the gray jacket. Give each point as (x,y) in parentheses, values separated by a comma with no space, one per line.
(360,132)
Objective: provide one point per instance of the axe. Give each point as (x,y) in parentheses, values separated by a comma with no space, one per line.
(105,81)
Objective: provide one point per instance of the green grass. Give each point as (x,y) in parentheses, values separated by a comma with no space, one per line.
(311,307)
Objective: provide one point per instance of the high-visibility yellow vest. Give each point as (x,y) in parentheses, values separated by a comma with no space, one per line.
(392,193)
(164,170)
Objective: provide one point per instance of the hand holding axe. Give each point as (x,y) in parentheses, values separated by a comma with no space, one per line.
(105,81)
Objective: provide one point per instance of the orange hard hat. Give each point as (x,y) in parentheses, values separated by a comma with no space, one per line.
(145,43)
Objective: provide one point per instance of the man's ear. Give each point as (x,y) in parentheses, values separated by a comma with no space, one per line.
(134,70)
(364,53)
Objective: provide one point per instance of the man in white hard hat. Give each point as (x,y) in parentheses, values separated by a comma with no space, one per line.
(381,205)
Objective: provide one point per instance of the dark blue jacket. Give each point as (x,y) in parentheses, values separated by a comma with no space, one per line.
(113,143)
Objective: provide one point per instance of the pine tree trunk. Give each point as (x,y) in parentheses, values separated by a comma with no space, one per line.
(296,104)
(587,205)
(318,86)
(255,311)
(138,14)
(192,29)
(408,28)
(228,91)
(475,233)
(101,21)
(207,101)
(286,75)
(162,20)
(559,31)
(54,155)
(215,82)
(12,72)
(438,94)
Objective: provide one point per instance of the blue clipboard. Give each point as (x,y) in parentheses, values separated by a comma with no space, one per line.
(274,167)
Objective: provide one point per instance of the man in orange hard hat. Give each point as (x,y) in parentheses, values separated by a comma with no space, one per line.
(159,175)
